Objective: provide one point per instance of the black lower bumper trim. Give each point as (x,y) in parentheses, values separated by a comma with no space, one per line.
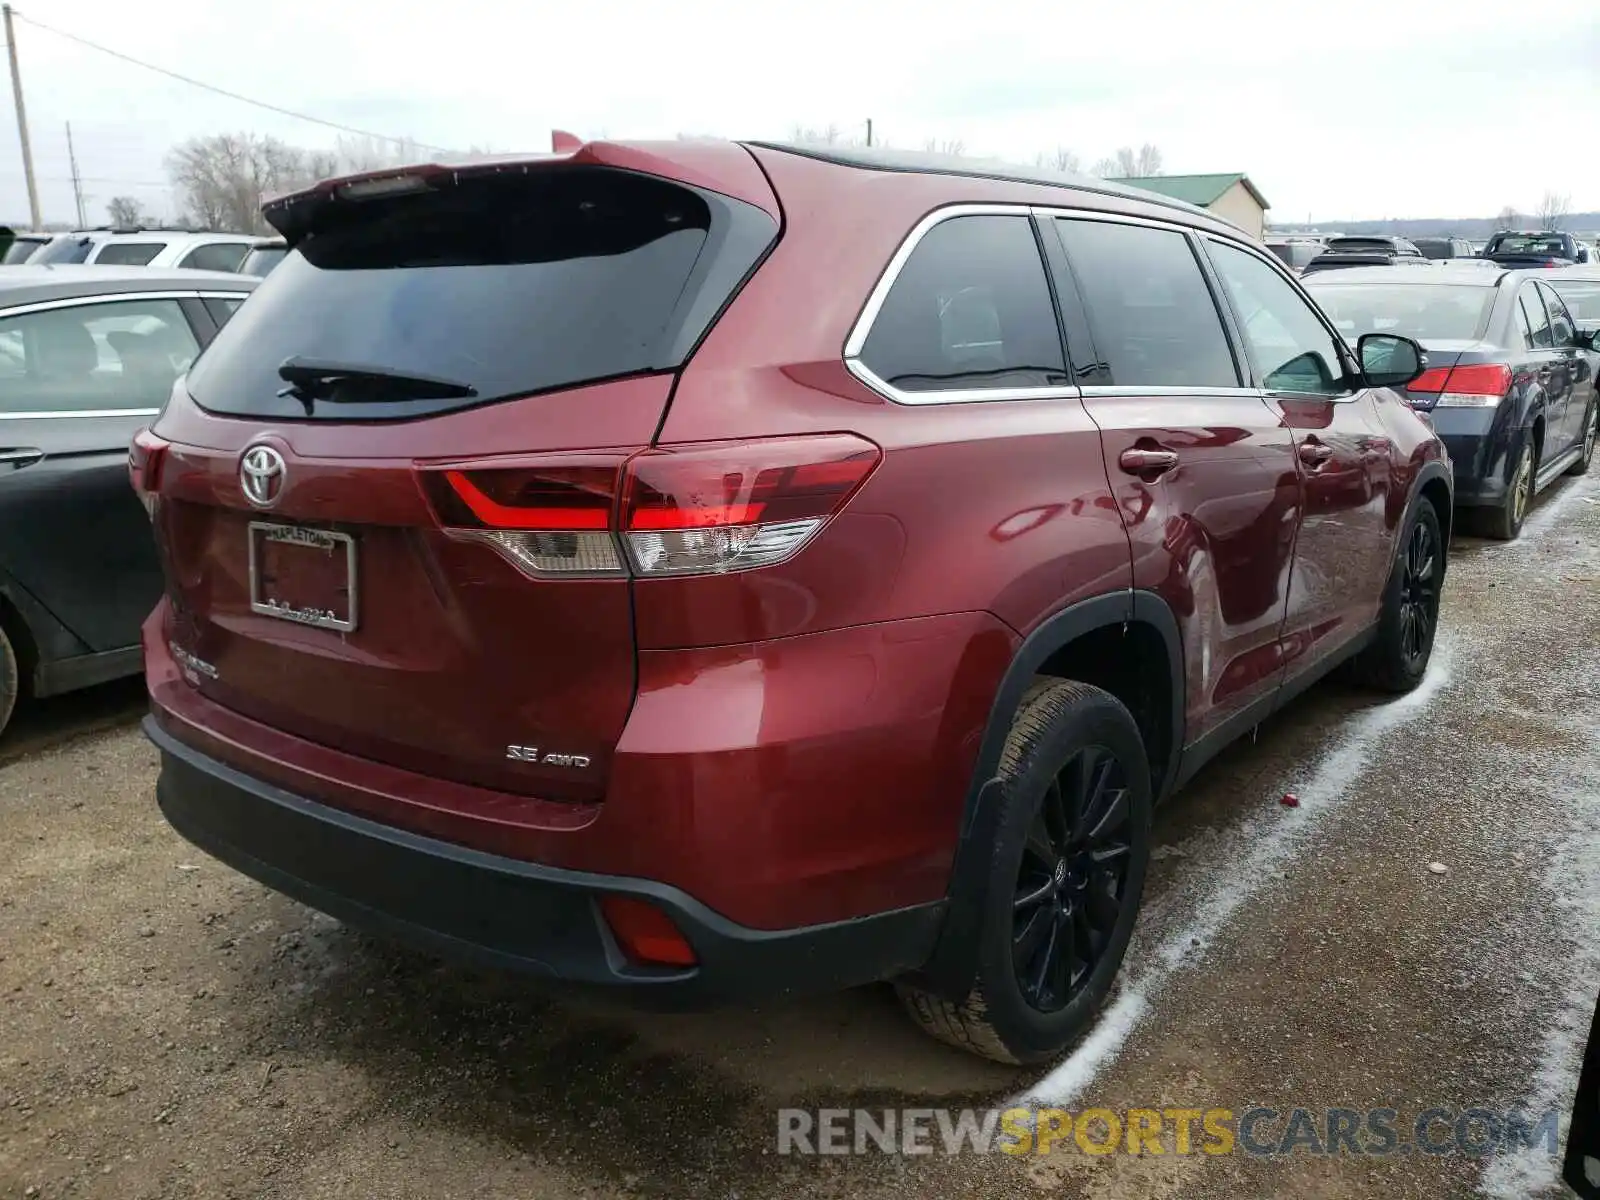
(500,912)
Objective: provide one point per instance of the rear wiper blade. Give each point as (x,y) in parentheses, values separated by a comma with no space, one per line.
(320,379)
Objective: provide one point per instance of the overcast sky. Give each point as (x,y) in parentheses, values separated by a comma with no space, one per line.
(1366,108)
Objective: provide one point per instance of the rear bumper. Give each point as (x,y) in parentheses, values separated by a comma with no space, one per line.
(500,912)
(1478,445)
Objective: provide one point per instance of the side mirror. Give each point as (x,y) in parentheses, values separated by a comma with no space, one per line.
(1388,360)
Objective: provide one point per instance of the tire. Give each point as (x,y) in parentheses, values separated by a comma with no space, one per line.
(1068,739)
(1591,426)
(1505,523)
(10,682)
(1398,657)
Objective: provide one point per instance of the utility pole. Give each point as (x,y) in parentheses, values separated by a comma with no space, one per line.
(869,131)
(22,118)
(77,183)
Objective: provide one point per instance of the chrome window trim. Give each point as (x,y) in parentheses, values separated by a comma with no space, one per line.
(1092,390)
(54,415)
(888,391)
(1114,218)
(20,310)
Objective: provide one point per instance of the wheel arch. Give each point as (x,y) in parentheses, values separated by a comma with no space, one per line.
(1049,648)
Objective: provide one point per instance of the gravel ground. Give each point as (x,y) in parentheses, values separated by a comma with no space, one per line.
(171,1029)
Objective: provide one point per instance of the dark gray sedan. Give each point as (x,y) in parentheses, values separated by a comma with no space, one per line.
(88,355)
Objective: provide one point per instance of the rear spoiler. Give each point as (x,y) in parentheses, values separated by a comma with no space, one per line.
(724,167)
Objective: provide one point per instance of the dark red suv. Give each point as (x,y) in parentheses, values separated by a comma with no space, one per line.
(722,569)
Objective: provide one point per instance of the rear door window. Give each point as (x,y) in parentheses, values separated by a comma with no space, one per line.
(1154,320)
(504,284)
(970,310)
(128,254)
(99,355)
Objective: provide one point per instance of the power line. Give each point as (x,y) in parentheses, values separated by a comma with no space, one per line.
(281,111)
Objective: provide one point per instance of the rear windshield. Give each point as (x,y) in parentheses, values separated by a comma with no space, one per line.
(1436,248)
(65,250)
(1528,244)
(1424,312)
(1582,297)
(20,251)
(506,284)
(1361,244)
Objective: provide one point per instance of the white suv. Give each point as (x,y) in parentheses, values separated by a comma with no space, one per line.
(148,248)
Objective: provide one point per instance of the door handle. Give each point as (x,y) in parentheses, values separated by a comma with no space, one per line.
(1315,453)
(20,457)
(1144,462)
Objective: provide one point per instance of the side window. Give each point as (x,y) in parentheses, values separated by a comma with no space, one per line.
(1292,347)
(970,309)
(128,254)
(217,256)
(1538,320)
(221,309)
(1154,320)
(1562,330)
(116,354)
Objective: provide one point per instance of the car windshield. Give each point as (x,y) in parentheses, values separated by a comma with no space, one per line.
(1434,247)
(261,261)
(1582,297)
(65,250)
(1528,244)
(1424,312)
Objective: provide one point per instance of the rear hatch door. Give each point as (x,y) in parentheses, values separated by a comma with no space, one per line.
(399,543)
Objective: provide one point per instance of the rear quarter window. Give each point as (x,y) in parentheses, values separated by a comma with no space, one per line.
(128,254)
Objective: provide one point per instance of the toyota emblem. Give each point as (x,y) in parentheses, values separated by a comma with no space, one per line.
(261,475)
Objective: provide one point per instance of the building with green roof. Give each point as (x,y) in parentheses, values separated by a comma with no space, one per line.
(1232,197)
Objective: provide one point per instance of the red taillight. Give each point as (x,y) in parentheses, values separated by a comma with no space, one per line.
(1476,379)
(725,506)
(146,453)
(553,499)
(691,509)
(646,934)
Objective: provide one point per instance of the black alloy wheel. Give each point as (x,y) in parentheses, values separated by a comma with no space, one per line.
(1071,883)
(1419,593)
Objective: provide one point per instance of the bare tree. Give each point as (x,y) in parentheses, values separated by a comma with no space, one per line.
(954,147)
(1106,168)
(1060,159)
(125,212)
(1553,210)
(221,180)
(828,135)
(1140,164)
(352,154)
(1509,218)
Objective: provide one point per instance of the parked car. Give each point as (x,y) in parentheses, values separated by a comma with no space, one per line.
(23,246)
(1365,251)
(87,356)
(263,257)
(1547,248)
(541,592)
(1510,383)
(1294,253)
(1444,248)
(148,248)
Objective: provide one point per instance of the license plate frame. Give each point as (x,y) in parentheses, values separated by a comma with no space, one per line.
(308,538)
